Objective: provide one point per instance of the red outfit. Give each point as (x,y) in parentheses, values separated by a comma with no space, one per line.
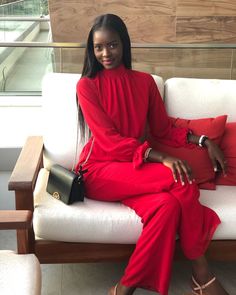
(117,105)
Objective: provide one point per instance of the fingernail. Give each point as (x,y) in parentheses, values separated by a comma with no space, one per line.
(182,183)
(215,169)
(190,182)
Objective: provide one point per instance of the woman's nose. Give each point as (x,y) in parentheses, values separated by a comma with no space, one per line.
(106,51)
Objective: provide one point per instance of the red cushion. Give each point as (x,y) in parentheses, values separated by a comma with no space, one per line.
(228,146)
(197,157)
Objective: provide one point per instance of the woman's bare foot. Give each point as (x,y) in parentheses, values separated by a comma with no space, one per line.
(212,287)
(112,291)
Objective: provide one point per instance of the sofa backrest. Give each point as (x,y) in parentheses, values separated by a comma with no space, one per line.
(60,118)
(192,98)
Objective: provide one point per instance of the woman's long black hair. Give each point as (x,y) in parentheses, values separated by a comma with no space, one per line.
(91,66)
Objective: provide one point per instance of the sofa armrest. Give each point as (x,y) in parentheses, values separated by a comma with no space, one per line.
(21,220)
(15,219)
(26,170)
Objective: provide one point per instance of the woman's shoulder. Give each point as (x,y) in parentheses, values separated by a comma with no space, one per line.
(142,76)
(85,82)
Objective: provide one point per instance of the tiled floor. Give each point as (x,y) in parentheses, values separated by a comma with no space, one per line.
(96,278)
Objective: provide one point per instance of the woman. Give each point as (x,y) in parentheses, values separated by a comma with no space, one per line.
(117,104)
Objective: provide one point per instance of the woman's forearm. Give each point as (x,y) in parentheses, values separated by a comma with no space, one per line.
(192,138)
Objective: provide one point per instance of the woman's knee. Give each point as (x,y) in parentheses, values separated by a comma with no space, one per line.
(163,207)
(171,204)
(188,191)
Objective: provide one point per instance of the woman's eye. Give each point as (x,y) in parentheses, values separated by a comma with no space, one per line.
(98,47)
(113,45)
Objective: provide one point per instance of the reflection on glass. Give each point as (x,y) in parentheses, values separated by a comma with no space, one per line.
(22,69)
(23,7)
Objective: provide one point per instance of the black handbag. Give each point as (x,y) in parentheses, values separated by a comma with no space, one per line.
(66,185)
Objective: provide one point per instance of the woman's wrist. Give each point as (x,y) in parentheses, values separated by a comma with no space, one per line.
(202,141)
(146,154)
(155,156)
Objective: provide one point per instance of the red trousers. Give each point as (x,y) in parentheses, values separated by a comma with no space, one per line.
(166,208)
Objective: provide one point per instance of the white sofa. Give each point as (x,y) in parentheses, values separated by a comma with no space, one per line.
(92,225)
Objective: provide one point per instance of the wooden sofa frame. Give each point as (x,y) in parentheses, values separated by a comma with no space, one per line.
(20,220)
(23,180)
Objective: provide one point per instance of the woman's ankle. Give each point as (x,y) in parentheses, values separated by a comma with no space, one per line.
(201,271)
(123,290)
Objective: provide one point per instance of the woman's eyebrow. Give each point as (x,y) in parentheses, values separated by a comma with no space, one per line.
(113,41)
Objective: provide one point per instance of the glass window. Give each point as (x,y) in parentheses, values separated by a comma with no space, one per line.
(23,7)
(19,65)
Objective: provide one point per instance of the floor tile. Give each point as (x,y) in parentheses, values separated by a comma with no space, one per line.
(90,278)
(51,279)
(8,240)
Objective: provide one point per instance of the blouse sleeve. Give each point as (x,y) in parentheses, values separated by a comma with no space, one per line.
(161,127)
(107,137)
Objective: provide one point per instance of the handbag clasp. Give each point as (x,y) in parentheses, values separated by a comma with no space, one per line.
(56,195)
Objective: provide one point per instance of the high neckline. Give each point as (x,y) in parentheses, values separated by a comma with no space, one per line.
(116,72)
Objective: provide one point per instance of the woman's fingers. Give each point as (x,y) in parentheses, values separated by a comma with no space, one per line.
(181,170)
(214,162)
(174,172)
(217,158)
(184,171)
(188,171)
(223,165)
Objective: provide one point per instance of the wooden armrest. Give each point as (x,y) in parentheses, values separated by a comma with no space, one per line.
(27,166)
(15,219)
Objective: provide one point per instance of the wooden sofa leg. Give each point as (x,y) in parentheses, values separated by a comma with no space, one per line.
(25,242)
(25,237)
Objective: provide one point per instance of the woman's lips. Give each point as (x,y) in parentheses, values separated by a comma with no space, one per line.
(107,62)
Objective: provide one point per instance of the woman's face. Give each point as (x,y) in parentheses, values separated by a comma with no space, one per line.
(108,48)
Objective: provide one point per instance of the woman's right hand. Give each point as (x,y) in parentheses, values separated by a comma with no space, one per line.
(180,168)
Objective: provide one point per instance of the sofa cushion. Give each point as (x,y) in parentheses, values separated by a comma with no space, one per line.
(19,274)
(228,146)
(60,117)
(197,157)
(223,202)
(192,98)
(88,221)
(104,222)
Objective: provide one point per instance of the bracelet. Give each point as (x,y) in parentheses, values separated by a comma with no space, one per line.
(202,140)
(146,154)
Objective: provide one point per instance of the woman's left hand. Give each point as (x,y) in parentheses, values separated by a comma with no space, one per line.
(216,155)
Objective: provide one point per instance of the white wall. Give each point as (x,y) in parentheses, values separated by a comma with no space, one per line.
(17,122)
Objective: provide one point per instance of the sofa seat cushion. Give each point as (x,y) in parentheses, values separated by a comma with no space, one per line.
(19,274)
(88,221)
(223,202)
(104,222)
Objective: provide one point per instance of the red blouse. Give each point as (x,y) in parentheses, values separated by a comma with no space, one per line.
(117,105)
